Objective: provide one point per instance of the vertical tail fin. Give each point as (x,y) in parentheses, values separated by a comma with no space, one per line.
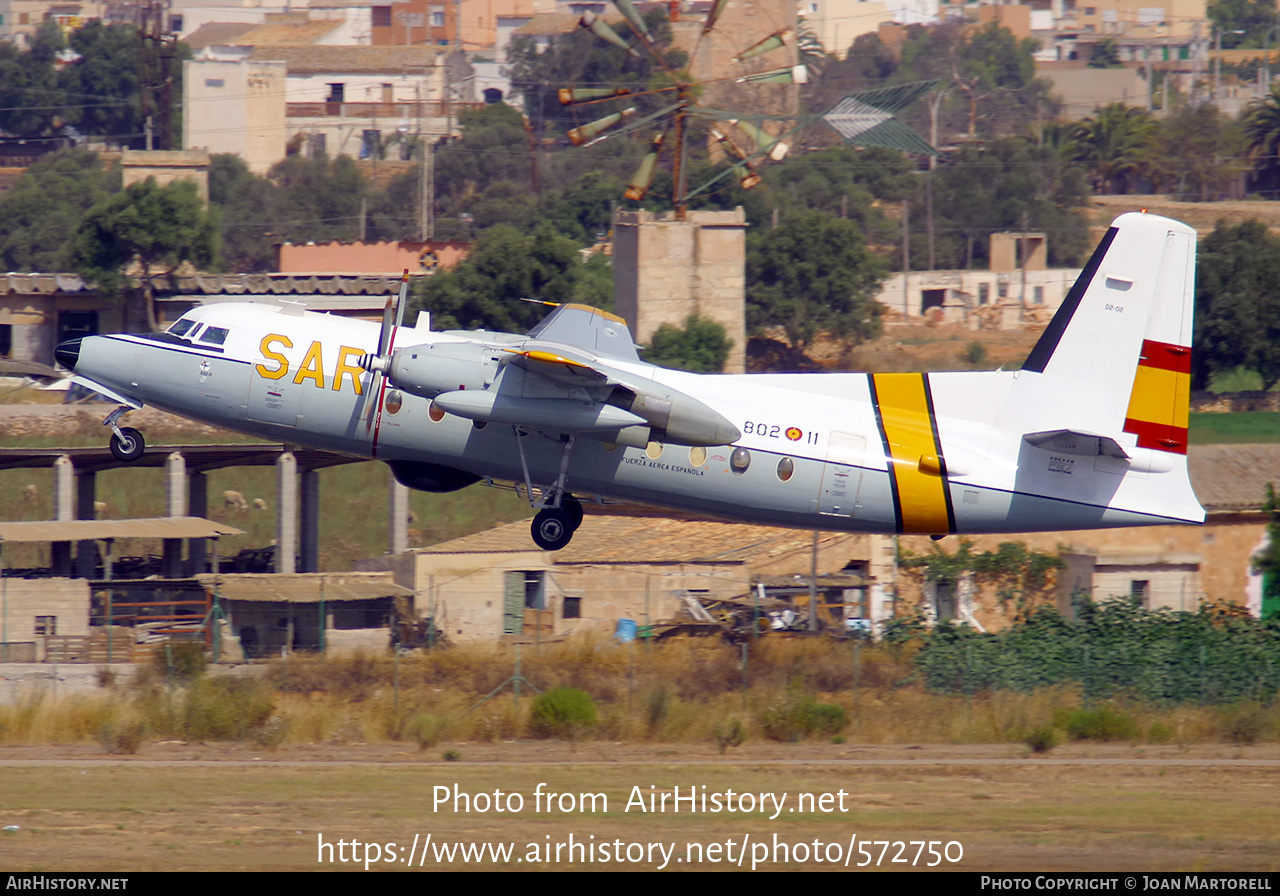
(1121,341)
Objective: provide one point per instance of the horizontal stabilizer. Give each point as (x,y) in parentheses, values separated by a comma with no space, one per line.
(1084,444)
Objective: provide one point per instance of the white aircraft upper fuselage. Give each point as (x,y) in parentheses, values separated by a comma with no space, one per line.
(1091,433)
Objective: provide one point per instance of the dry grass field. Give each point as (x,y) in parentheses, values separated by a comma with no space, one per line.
(201,807)
(285,766)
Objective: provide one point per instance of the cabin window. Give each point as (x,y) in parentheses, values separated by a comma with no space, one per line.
(786,469)
(697,455)
(740,460)
(181,326)
(653,450)
(215,335)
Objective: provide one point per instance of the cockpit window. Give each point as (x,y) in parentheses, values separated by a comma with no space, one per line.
(215,335)
(181,326)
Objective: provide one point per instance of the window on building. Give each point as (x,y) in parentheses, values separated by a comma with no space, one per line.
(316,146)
(437,16)
(1039,295)
(6,340)
(46,626)
(371,144)
(1002,290)
(1139,591)
(572,608)
(382,17)
(944,597)
(984,293)
(337,93)
(175,24)
(74,324)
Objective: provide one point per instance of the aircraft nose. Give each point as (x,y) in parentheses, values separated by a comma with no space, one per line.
(68,353)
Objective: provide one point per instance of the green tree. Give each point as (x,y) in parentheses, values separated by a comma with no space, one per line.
(103,84)
(700,346)
(244,201)
(811,273)
(1254,17)
(31,101)
(1115,144)
(1198,153)
(1010,184)
(1262,132)
(505,267)
(1238,303)
(144,231)
(1105,54)
(40,214)
(1267,560)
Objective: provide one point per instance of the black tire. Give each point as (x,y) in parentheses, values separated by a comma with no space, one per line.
(129,448)
(572,506)
(552,529)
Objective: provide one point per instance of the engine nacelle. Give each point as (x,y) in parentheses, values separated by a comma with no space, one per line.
(676,418)
(428,370)
(425,477)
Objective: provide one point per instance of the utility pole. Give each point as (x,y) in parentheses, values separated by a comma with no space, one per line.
(156,61)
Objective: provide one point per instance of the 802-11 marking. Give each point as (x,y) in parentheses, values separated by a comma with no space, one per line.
(774,431)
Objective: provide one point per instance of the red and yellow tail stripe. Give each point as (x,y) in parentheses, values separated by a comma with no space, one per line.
(1161,398)
(917,471)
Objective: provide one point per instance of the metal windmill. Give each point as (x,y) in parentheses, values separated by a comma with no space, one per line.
(744,140)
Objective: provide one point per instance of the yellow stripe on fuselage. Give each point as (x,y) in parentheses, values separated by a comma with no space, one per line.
(903,400)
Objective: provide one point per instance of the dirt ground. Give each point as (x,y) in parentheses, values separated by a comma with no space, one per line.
(980,808)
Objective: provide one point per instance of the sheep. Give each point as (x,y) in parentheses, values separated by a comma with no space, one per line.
(234,501)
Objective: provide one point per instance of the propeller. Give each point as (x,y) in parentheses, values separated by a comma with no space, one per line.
(379,364)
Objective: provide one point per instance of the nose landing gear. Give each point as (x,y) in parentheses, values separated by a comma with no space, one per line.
(126,443)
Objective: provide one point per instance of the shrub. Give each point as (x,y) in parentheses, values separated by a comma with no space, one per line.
(565,713)
(183,661)
(426,729)
(1103,723)
(658,708)
(730,734)
(801,715)
(1042,739)
(225,708)
(123,738)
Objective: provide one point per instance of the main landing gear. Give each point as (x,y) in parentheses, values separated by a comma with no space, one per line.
(559,513)
(553,527)
(127,443)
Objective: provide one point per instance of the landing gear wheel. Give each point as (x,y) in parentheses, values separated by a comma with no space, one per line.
(572,506)
(128,445)
(552,529)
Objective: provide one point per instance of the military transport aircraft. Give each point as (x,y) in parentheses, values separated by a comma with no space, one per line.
(1091,432)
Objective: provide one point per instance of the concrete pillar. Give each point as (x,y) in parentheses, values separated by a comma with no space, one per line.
(310,511)
(197,505)
(398,517)
(64,489)
(286,512)
(665,269)
(175,495)
(86,497)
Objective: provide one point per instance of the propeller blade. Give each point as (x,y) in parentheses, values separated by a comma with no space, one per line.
(402,300)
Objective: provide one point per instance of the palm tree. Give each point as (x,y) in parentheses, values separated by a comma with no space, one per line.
(1262,130)
(1115,145)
